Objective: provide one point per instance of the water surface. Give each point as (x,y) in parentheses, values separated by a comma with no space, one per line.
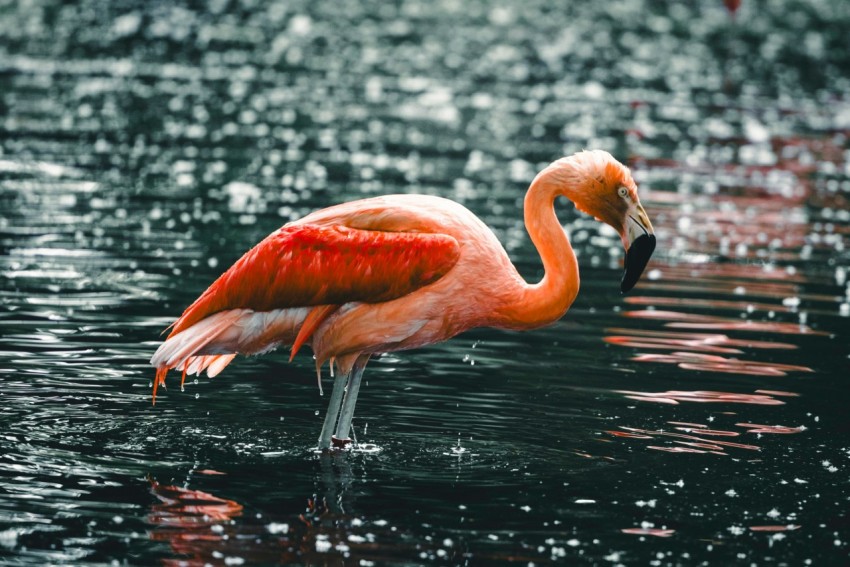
(699,419)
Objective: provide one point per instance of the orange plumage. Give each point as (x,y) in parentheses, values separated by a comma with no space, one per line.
(294,267)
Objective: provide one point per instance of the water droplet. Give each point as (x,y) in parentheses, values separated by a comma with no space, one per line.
(317,412)
(197,396)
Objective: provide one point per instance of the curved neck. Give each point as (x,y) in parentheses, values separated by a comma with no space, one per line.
(535,305)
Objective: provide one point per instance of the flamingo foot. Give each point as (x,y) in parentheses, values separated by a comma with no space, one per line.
(340,443)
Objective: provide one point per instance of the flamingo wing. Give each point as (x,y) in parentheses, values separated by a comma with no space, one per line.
(302,265)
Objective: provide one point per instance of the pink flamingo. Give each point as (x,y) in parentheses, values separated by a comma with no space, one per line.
(398,272)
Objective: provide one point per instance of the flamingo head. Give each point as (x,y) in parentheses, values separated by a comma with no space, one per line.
(602,187)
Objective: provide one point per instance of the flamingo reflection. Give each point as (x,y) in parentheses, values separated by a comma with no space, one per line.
(202,528)
(196,524)
(657,532)
(680,320)
(694,342)
(703,396)
(699,438)
(714,363)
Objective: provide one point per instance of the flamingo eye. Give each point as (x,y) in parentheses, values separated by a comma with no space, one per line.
(623,192)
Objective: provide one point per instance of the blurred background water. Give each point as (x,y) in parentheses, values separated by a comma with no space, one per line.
(144,146)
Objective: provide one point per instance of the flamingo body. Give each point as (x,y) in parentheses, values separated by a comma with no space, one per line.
(291,268)
(379,263)
(397,272)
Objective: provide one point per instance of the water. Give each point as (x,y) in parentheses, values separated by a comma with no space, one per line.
(700,419)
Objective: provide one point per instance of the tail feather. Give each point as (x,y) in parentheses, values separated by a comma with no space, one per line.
(212,363)
(181,351)
(196,364)
(177,349)
(212,343)
(219,363)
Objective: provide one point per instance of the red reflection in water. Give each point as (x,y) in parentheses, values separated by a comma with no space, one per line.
(778,429)
(693,440)
(657,532)
(707,446)
(197,525)
(630,435)
(711,432)
(681,320)
(699,342)
(698,345)
(736,305)
(786,528)
(778,393)
(702,396)
(713,363)
(693,436)
(184,508)
(202,529)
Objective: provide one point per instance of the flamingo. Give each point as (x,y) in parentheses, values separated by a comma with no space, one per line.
(398,272)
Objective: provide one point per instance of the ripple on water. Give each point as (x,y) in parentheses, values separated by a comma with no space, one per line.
(144,147)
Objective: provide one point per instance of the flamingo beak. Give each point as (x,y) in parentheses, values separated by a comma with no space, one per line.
(639,241)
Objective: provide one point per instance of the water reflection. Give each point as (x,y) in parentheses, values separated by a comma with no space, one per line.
(682,320)
(783,528)
(144,146)
(714,363)
(692,342)
(656,532)
(202,528)
(704,396)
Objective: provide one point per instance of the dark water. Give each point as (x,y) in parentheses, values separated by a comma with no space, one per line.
(701,419)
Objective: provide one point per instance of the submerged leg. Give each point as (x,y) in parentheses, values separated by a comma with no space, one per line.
(344,426)
(333,412)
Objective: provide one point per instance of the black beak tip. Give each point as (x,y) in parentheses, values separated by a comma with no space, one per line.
(637,257)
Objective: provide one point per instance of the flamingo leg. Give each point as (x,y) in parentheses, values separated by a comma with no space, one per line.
(333,412)
(355,376)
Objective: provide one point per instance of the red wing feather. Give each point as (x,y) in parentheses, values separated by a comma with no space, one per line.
(306,265)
